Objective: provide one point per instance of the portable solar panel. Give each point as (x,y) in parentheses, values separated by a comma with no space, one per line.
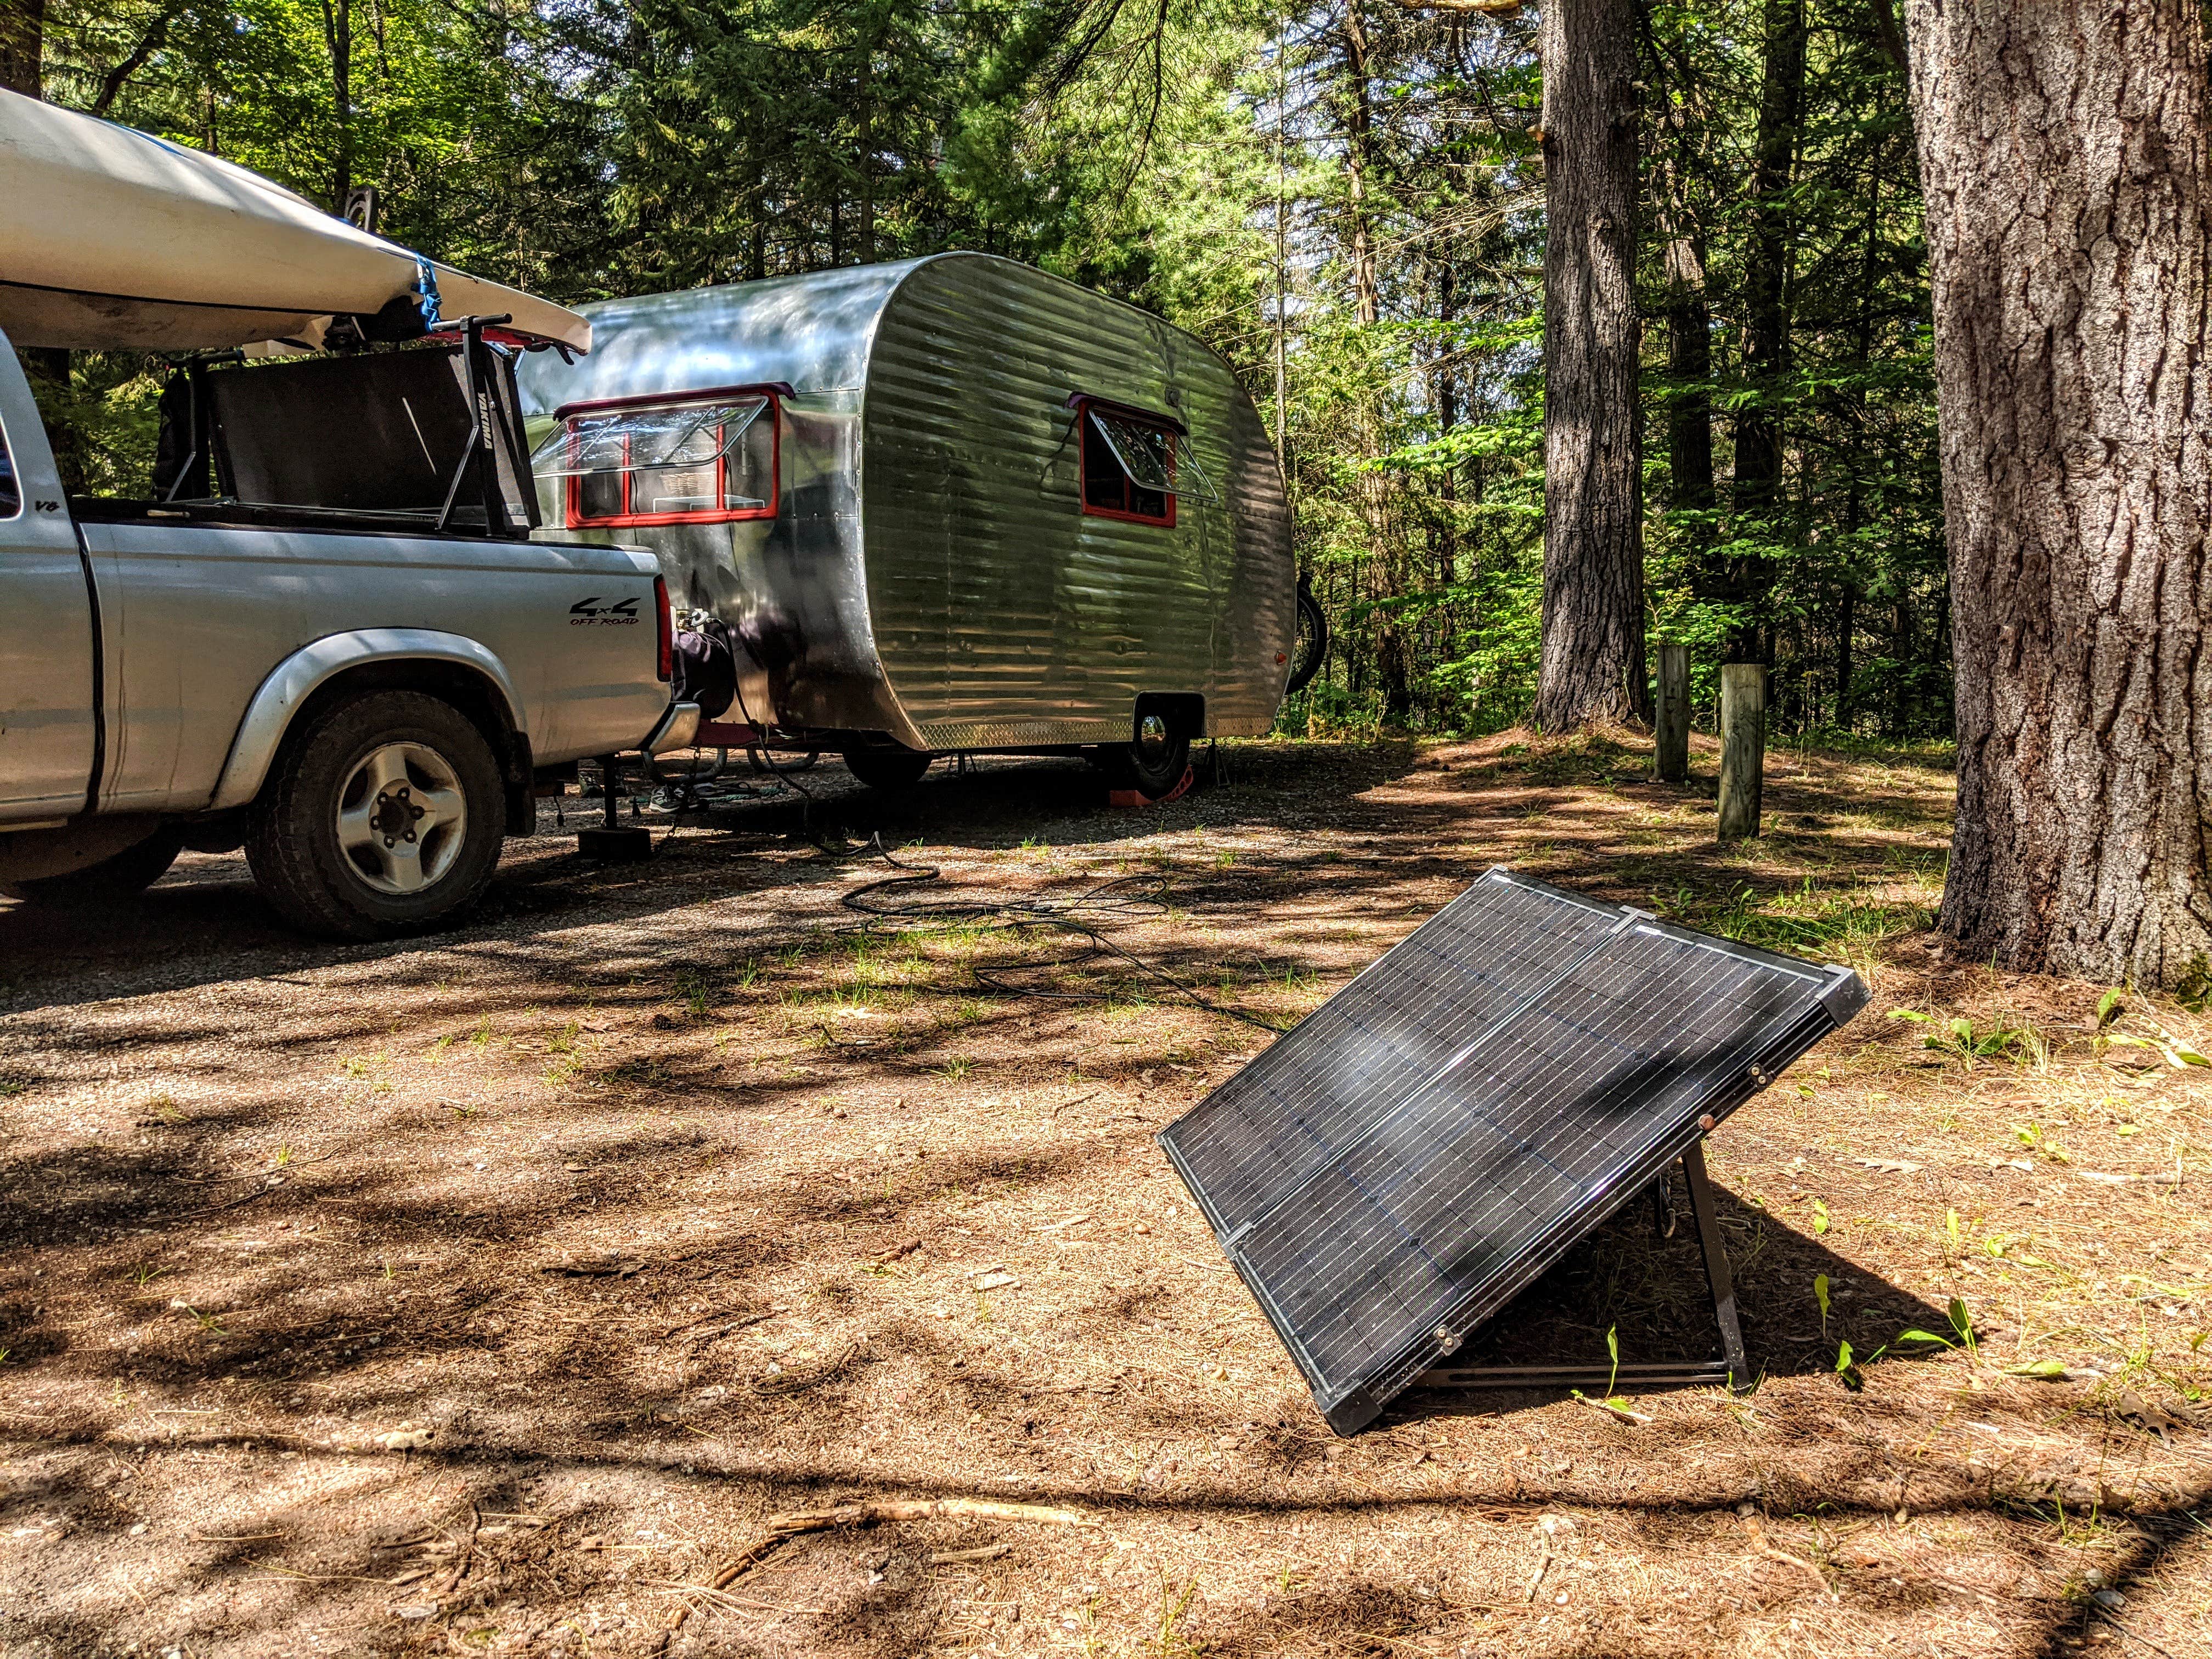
(1393,1171)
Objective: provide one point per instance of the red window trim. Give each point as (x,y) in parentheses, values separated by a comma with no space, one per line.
(574,517)
(1175,431)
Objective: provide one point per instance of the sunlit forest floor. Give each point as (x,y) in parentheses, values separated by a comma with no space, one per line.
(486,1294)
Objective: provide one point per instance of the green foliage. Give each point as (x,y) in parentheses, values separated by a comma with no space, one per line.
(1370,216)
(1963,1039)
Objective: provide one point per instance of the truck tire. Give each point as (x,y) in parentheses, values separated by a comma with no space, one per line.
(382,818)
(124,875)
(888,767)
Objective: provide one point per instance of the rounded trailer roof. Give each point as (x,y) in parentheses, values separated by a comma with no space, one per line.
(814,332)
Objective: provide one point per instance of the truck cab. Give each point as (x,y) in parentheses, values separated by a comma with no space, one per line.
(324,636)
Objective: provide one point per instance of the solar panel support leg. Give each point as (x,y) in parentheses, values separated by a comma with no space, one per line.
(1716,1265)
(1732,1369)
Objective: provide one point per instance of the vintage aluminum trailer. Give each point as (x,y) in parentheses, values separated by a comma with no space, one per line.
(949,504)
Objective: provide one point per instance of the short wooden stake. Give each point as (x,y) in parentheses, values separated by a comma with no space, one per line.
(1673,747)
(1743,748)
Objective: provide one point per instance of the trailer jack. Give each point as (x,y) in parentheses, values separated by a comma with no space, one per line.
(614,841)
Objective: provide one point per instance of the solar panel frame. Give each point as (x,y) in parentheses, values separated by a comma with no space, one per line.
(1294,1159)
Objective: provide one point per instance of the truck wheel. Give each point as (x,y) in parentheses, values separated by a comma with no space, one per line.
(888,767)
(382,817)
(1152,765)
(121,876)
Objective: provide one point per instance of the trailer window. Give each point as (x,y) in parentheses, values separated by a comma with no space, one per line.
(678,462)
(11,499)
(1128,466)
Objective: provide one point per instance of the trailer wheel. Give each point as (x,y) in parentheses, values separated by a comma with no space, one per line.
(1152,765)
(120,876)
(382,818)
(888,767)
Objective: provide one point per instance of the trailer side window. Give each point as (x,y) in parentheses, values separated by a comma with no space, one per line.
(681,461)
(11,499)
(1128,466)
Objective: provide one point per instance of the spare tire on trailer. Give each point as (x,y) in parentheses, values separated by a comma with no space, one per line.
(889,767)
(1153,766)
(1312,647)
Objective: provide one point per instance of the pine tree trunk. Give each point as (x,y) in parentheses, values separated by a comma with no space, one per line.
(1689,341)
(1592,666)
(2064,150)
(337,35)
(1750,581)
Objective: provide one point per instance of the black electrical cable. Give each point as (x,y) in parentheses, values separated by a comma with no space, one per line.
(1125,898)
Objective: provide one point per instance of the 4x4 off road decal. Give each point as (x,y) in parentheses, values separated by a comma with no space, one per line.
(591,613)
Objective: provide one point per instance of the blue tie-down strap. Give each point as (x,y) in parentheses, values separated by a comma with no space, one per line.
(425,285)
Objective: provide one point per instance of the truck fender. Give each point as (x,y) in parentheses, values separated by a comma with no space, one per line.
(297,678)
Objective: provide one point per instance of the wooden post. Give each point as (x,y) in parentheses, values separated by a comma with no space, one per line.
(1672,750)
(1743,748)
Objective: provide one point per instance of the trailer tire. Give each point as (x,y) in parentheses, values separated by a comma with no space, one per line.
(1152,766)
(888,767)
(118,876)
(338,840)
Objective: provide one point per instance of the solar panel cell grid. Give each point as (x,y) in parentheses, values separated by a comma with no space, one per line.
(1285,1113)
(1406,1160)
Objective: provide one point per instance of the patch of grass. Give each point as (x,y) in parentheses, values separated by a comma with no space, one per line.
(370,1069)
(956,1068)
(1174,1638)
(693,988)
(1847,922)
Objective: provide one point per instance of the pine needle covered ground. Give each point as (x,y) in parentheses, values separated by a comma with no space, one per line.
(490,1293)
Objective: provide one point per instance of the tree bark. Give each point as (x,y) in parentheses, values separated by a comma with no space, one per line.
(337,35)
(23,47)
(2063,149)
(1689,348)
(1386,553)
(1592,665)
(1766,312)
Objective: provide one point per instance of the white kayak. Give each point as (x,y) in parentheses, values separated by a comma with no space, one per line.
(112,238)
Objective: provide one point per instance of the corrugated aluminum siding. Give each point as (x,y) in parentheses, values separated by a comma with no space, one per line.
(930,573)
(1004,613)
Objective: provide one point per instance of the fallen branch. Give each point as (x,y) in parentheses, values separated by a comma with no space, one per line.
(463,1559)
(1757,1528)
(798,1523)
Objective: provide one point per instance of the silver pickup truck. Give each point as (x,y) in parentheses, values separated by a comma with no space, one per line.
(326,639)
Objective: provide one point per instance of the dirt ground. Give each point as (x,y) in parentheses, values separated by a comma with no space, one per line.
(487,1293)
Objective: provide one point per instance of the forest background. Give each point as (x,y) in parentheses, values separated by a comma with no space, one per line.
(1346,200)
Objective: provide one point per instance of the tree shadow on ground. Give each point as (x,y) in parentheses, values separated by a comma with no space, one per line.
(205,922)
